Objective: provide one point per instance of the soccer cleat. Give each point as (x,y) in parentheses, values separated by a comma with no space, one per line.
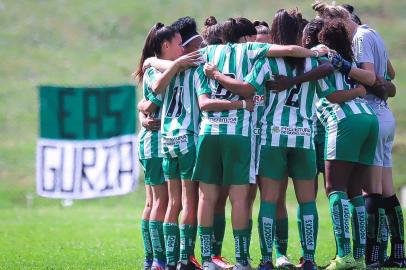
(222,263)
(341,263)
(192,264)
(195,262)
(306,265)
(360,263)
(374,265)
(147,264)
(283,262)
(157,265)
(266,266)
(207,265)
(395,263)
(238,266)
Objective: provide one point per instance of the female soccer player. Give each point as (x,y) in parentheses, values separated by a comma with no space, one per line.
(351,137)
(180,116)
(370,53)
(232,129)
(163,42)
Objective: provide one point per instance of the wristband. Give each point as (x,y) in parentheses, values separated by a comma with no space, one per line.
(244,104)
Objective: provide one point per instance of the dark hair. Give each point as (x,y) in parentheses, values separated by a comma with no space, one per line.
(212,32)
(311,32)
(234,29)
(186,26)
(354,17)
(263,23)
(158,34)
(263,30)
(285,30)
(335,36)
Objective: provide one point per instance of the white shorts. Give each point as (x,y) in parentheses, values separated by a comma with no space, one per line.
(387,128)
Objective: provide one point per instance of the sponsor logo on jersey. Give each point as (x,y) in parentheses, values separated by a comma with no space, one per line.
(309,231)
(256,131)
(259,100)
(296,131)
(167,141)
(222,120)
(267,224)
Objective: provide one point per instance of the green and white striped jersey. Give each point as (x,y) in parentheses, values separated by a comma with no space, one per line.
(288,117)
(234,60)
(332,113)
(180,112)
(150,141)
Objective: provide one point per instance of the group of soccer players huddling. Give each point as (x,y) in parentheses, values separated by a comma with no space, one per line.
(243,106)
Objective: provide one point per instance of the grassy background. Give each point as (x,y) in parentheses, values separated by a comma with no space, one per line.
(75,42)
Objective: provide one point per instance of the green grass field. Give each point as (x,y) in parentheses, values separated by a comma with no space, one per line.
(75,42)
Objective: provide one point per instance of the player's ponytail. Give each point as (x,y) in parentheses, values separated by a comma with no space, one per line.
(157,35)
(234,29)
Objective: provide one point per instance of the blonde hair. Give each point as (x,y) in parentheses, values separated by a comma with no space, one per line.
(329,12)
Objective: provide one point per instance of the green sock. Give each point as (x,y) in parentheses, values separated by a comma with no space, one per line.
(241,246)
(186,241)
(146,238)
(157,239)
(308,223)
(194,231)
(340,213)
(171,233)
(359,226)
(206,238)
(219,227)
(249,235)
(266,228)
(281,237)
(383,246)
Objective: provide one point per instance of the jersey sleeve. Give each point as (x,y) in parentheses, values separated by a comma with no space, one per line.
(258,75)
(256,50)
(150,77)
(364,49)
(201,83)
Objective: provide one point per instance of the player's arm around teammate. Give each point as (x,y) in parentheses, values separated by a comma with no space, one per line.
(150,141)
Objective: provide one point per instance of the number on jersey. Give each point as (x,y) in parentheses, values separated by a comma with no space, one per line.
(293,98)
(221,92)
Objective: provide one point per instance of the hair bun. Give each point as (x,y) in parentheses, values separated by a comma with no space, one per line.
(211,20)
(319,6)
(159,25)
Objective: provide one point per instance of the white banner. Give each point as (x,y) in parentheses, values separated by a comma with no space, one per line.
(86,169)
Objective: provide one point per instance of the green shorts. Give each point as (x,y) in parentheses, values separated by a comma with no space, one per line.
(297,163)
(153,171)
(353,139)
(180,167)
(223,160)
